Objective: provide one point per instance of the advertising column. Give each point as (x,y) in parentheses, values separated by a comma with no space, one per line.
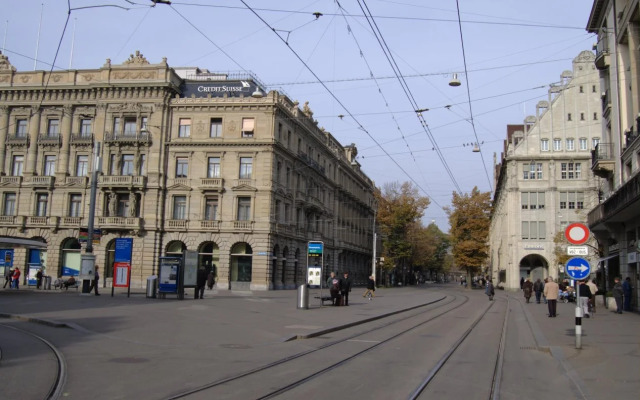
(122,265)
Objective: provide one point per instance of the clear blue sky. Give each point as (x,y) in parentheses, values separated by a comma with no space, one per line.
(514,50)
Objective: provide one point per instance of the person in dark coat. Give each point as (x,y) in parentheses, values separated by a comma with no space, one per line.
(490,290)
(527,287)
(211,278)
(371,287)
(39,279)
(345,288)
(626,290)
(8,273)
(334,288)
(538,286)
(94,282)
(522,283)
(618,292)
(201,281)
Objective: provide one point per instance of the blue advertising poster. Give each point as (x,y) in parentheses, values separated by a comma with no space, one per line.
(6,259)
(169,274)
(124,248)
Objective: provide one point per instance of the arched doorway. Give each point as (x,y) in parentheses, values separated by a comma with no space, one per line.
(241,266)
(70,265)
(534,266)
(209,257)
(175,248)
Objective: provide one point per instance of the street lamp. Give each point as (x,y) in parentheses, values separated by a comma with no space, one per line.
(88,260)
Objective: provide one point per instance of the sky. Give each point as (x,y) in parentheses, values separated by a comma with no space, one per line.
(364,78)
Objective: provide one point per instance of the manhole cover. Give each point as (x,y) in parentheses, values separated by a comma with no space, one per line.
(129,360)
(235,346)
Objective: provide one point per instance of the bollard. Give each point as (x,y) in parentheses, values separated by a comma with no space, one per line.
(303,297)
(578,327)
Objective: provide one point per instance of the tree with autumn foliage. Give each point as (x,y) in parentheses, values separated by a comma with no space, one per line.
(430,247)
(469,218)
(400,208)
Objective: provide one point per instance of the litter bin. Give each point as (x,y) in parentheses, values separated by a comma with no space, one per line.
(303,297)
(151,286)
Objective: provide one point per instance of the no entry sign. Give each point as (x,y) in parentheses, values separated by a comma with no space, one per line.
(577,233)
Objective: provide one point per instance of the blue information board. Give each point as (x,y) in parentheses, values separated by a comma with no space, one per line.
(578,268)
(124,248)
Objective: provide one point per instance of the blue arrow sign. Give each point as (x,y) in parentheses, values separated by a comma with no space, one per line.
(578,268)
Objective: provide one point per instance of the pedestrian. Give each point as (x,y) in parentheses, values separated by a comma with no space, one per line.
(39,278)
(371,287)
(585,294)
(345,288)
(544,298)
(527,287)
(551,291)
(15,279)
(211,278)
(594,290)
(201,281)
(537,288)
(626,290)
(521,282)
(334,288)
(94,282)
(490,290)
(618,292)
(8,274)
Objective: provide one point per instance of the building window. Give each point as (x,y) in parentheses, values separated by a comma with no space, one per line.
(246,167)
(143,165)
(143,123)
(593,89)
(182,167)
(215,129)
(211,208)
(184,130)
(244,208)
(533,230)
(581,89)
(127,165)
(595,141)
(17,165)
(53,128)
(21,128)
(75,204)
(570,170)
(569,117)
(532,200)
(583,143)
(130,128)
(570,145)
(116,126)
(581,116)
(544,145)
(532,171)
(49,166)
(571,200)
(123,205)
(85,128)
(82,163)
(248,125)
(42,201)
(179,207)
(213,169)
(9,204)
(557,144)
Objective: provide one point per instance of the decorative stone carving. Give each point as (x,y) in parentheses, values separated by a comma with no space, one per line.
(107,63)
(138,58)
(25,78)
(129,107)
(57,78)
(5,65)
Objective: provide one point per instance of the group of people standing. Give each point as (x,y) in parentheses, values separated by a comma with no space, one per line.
(12,278)
(622,294)
(339,288)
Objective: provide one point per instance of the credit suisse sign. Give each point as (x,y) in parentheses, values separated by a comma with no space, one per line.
(218,89)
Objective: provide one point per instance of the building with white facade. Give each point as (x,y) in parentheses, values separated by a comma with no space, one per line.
(543,180)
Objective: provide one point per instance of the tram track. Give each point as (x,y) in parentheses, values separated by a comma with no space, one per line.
(334,365)
(55,388)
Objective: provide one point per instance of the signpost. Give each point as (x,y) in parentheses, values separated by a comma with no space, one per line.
(577,233)
(578,268)
(577,251)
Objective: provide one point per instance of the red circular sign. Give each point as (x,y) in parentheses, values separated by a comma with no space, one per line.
(577,233)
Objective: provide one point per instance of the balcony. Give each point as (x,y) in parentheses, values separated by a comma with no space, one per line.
(177,224)
(602,160)
(178,182)
(243,225)
(40,181)
(211,183)
(42,221)
(119,222)
(122,181)
(15,140)
(142,137)
(47,139)
(81,139)
(621,206)
(210,225)
(12,220)
(70,222)
(243,182)
(10,181)
(603,57)
(76,181)
(606,103)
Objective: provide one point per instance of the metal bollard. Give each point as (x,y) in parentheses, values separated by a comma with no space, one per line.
(303,297)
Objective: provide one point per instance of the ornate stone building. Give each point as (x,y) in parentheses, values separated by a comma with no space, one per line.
(543,181)
(190,160)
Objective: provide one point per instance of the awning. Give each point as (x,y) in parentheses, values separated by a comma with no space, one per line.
(19,242)
(607,257)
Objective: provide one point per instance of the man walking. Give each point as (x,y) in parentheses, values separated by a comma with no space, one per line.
(8,273)
(618,292)
(551,291)
(201,281)
(345,288)
(94,282)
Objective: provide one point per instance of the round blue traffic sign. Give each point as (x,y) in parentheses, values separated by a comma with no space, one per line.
(578,268)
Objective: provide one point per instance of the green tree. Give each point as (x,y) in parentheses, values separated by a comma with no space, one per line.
(469,218)
(430,246)
(400,207)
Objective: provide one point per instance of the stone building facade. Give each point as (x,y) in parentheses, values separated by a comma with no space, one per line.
(543,181)
(615,221)
(190,160)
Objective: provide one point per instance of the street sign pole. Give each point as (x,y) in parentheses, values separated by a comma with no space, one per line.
(578,269)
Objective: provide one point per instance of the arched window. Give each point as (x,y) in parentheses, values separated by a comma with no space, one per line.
(241,262)
(70,257)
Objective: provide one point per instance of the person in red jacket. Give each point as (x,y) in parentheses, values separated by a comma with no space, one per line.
(16,278)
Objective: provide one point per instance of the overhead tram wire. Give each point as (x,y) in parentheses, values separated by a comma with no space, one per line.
(406,89)
(360,126)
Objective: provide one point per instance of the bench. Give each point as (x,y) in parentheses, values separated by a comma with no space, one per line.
(59,284)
